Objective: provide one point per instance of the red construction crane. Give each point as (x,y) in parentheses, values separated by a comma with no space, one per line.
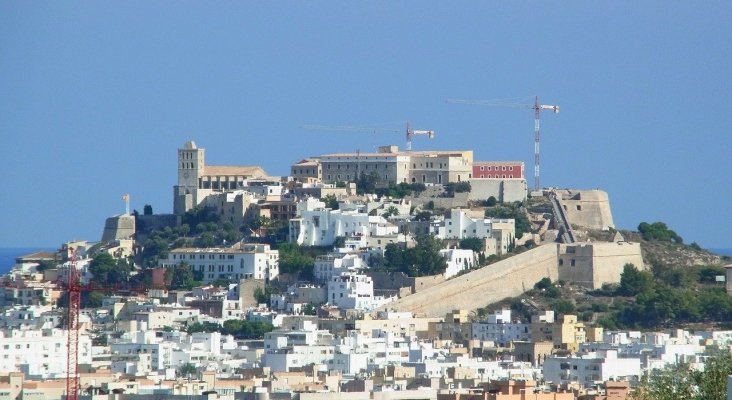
(74,288)
(538,108)
(347,128)
(72,362)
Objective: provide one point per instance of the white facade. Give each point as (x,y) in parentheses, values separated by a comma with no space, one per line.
(39,354)
(458,260)
(320,226)
(305,345)
(351,292)
(591,369)
(459,225)
(500,329)
(243,261)
(331,265)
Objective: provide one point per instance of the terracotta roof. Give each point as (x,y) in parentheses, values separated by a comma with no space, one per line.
(247,170)
(496,162)
(39,255)
(403,153)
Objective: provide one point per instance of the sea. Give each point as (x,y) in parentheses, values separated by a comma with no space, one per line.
(9,254)
(722,252)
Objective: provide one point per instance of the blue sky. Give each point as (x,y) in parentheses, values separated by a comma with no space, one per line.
(96,97)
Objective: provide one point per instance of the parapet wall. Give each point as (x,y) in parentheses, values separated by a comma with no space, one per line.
(504,190)
(592,264)
(509,277)
(587,208)
(118,227)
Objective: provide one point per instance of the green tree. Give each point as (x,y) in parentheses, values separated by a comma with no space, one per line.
(186,369)
(262,295)
(309,309)
(92,299)
(563,306)
(293,260)
(331,202)
(658,231)
(423,216)
(457,187)
(367,183)
(513,211)
(147,210)
(491,202)
(391,211)
(543,283)
(681,382)
(423,259)
(474,244)
(180,277)
(634,281)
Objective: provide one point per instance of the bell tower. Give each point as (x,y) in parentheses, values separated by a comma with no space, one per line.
(190,168)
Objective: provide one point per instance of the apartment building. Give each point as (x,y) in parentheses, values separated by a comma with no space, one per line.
(320,226)
(39,353)
(242,261)
(498,169)
(460,225)
(390,165)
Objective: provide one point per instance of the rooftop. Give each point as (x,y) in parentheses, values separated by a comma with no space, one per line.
(243,170)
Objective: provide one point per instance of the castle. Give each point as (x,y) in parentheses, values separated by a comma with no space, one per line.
(196,180)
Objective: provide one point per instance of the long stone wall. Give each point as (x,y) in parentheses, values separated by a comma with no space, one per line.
(489,284)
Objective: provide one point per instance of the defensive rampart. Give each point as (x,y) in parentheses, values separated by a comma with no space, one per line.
(509,277)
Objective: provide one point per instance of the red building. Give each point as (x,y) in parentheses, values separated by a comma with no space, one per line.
(498,169)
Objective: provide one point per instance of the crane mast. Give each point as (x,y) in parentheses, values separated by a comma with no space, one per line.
(538,108)
(346,128)
(72,361)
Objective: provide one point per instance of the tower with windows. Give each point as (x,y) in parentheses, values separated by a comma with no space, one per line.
(191,164)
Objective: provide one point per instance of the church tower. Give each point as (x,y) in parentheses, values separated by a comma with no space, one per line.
(191,164)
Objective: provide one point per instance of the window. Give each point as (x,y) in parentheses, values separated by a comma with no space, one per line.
(482,168)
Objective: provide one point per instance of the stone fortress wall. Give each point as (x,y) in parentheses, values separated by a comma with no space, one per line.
(593,265)
(587,208)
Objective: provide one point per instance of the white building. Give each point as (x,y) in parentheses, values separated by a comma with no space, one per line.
(499,328)
(458,260)
(351,292)
(295,348)
(141,352)
(459,225)
(39,354)
(320,226)
(328,266)
(242,261)
(591,369)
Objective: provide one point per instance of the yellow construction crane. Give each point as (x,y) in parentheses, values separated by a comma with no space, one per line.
(350,128)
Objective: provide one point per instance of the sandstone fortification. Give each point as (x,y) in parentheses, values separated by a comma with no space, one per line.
(587,264)
(586,208)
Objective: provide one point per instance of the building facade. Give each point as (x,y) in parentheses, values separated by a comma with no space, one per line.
(498,169)
(320,226)
(243,261)
(196,180)
(390,165)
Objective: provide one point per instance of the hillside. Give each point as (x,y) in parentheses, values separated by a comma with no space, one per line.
(677,289)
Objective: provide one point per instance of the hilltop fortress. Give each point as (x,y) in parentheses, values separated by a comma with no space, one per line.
(589,264)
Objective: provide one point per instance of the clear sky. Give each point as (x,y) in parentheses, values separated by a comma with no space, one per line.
(96,97)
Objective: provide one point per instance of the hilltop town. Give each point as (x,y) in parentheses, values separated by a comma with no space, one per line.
(387,275)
